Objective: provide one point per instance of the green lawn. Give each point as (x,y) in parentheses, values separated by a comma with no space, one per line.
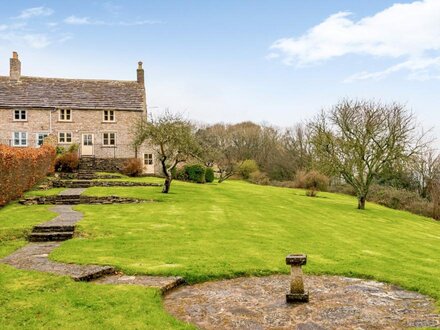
(206,232)
(47,192)
(149,179)
(32,300)
(224,230)
(16,221)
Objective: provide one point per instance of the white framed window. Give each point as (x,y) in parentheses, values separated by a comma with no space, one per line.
(109,116)
(20,139)
(20,115)
(148,159)
(40,138)
(109,139)
(65,115)
(64,137)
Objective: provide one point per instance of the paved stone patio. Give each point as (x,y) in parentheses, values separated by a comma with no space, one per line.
(335,303)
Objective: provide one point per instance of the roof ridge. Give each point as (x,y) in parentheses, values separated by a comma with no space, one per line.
(76,79)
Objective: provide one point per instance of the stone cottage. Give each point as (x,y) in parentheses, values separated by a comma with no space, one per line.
(98,115)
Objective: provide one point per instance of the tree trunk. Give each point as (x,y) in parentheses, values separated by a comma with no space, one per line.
(361,202)
(168,178)
(167,184)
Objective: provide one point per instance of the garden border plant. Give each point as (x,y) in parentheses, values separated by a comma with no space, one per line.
(22,168)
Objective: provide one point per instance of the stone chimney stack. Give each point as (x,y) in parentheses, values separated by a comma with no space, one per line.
(140,74)
(15,67)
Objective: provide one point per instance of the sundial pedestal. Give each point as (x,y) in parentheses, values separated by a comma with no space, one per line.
(297,293)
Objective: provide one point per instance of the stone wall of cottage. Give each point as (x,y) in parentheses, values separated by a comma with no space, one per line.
(82,122)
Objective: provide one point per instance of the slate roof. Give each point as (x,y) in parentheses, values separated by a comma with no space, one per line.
(71,93)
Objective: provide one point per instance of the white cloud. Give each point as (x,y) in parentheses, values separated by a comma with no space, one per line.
(74,20)
(36,40)
(34,12)
(403,31)
(32,40)
(419,68)
(21,34)
(134,23)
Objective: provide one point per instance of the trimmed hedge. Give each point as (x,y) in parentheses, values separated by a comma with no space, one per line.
(209,174)
(195,173)
(22,168)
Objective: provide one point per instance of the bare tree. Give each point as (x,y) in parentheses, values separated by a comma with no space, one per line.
(296,141)
(173,139)
(218,149)
(425,167)
(357,139)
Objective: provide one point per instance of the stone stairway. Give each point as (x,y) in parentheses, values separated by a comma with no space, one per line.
(63,226)
(86,168)
(77,183)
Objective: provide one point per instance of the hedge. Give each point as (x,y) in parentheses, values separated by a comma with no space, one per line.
(22,168)
(195,173)
(209,174)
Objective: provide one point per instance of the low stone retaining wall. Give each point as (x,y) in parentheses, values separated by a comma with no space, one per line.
(74,175)
(80,200)
(88,183)
(109,164)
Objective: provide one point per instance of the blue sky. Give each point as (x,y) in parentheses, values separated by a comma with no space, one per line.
(277,62)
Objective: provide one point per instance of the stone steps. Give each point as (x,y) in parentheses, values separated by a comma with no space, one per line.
(90,273)
(50,236)
(53,228)
(85,176)
(68,201)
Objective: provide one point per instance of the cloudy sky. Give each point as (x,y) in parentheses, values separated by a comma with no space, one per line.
(277,62)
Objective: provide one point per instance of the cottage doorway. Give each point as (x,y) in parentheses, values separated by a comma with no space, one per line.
(87,145)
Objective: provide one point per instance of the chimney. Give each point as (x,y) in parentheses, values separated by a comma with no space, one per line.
(15,67)
(140,74)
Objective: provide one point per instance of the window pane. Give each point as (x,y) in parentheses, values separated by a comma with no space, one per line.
(68,114)
(68,137)
(148,159)
(16,138)
(23,114)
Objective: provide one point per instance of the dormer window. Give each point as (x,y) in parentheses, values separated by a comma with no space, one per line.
(65,115)
(109,116)
(20,115)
